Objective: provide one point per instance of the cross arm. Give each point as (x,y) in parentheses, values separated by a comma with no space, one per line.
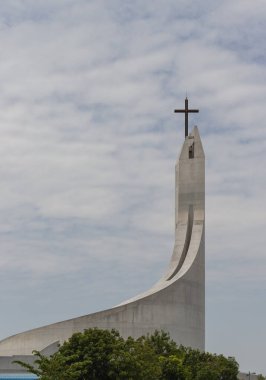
(182,111)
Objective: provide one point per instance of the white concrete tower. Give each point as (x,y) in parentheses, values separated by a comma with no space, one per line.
(177,302)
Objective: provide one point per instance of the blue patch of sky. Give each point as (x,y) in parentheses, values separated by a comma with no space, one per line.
(102,112)
(128,11)
(212,126)
(35,226)
(13,15)
(245,39)
(60,97)
(54,229)
(244,49)
(189,11)
(158,125)
(166,77)
(246,141)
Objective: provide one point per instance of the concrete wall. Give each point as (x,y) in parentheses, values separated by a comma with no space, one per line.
(177,302)
(247,376)
(7,365)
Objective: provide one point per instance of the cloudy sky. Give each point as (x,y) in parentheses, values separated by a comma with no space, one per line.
(88,144)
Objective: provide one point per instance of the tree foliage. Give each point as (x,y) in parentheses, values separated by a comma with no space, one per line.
(99,354)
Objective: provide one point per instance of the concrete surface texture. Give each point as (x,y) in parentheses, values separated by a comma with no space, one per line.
(247,376)
(176,303)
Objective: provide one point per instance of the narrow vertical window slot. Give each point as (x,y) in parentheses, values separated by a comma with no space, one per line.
(191,151)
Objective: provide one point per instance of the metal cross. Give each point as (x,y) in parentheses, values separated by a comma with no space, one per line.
(186,111)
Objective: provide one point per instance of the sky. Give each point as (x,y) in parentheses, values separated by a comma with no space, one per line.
(88,145)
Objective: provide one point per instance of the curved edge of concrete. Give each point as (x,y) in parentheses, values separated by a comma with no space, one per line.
(176,303)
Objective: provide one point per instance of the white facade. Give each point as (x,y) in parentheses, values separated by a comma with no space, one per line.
(177,302)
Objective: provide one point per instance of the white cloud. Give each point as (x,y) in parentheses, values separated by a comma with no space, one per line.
(89,142)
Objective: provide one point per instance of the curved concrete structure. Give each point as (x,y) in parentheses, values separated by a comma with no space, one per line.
(177,302)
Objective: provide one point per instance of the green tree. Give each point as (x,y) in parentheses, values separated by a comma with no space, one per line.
(204,365)
(162,343)
(207,373)
(173,368)
(99,354)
